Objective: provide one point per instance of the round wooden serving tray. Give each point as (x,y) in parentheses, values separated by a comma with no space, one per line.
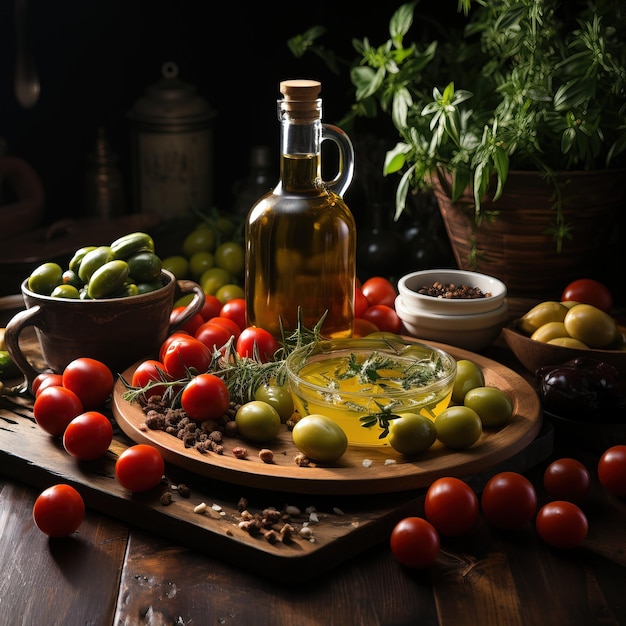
(360,471)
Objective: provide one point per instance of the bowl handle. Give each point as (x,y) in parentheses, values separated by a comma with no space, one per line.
(21,320)
(195,306)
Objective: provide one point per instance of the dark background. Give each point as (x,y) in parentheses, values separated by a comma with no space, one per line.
(95,58)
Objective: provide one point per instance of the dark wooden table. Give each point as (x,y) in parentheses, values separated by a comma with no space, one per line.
(110,572)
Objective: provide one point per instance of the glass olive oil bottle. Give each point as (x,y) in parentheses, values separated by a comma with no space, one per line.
(301,236)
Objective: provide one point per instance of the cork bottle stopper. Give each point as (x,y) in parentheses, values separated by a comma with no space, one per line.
(301,97)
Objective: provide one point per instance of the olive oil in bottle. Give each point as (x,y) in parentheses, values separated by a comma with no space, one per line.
(301,236)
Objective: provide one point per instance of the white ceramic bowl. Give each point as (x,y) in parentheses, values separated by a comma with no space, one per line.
(471,331)
(409,285)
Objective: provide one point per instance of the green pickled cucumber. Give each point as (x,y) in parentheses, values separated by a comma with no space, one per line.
(108,279)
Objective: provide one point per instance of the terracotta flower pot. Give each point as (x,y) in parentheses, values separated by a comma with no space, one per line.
(517,246)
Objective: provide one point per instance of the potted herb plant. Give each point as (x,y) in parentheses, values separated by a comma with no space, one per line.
(517,121)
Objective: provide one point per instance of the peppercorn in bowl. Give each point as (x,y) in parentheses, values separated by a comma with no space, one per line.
(451,292)
(456,307)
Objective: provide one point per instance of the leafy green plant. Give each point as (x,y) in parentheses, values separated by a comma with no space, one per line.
(525,84)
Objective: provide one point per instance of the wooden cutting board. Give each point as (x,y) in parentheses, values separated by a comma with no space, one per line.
(346,517)
(346,524)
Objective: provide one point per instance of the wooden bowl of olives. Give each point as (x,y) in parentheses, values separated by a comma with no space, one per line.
(533,353)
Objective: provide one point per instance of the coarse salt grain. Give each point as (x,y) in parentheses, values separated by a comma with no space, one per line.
(367,462)
(306,532)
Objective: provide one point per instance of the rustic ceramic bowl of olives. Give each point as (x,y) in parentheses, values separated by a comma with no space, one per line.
(354,381)
(451,292)
(116,331)
(533,354)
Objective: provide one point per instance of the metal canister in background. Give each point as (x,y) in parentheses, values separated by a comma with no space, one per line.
(172,148)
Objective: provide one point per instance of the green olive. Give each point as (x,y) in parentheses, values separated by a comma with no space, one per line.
(548,331)
(319,438)
(593,327)
(71,278)
(468,376)
(494,407)
(257,421)
(65,291)
(78,257)
(144,266)
(45,278)
(541,314)
(458,427)
(568,342)
(277,396)
(411,433)
(148,287)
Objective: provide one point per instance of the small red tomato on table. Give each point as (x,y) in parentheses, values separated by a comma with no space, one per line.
(59,511)
(589,291)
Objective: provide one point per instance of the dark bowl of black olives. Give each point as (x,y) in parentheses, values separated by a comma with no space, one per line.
(585,399)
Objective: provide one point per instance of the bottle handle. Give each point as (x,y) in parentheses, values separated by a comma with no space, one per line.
(345,172)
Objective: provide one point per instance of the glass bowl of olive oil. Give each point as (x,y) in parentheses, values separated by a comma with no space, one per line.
(361,384)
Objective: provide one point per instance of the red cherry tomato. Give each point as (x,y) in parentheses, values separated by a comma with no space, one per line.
(257,342)
(147,372)
(379,290)
(383,316)
(567,479)
(612,470)
(589,291)
(55,408)
(59,511)
(88,436)
(184,355)
(235,310)
(47,379)
(211,307)
(562,524)
(360,303)
(230,325)
(168,340)
(191,325)
(139,467)
(205,397)
(91,380)
(451,506)
(415,542)
(508,500)
(214,336)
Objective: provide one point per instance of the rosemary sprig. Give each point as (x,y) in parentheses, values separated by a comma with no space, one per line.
(382,419)
(242,375)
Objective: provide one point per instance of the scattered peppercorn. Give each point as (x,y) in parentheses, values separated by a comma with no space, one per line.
(266,455)
(184,491)
(205,437)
